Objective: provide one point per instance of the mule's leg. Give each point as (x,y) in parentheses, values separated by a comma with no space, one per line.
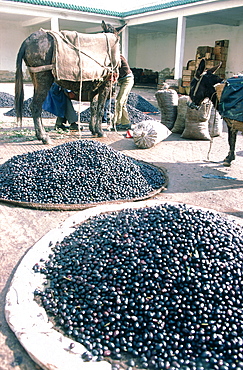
(231,140)
(42,82)
(93,112)
(102,97)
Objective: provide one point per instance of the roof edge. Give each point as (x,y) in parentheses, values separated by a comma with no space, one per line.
(152,8)
(57,4)
(60,5)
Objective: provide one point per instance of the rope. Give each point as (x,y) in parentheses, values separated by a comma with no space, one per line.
(194,94)
(112,78)
(112,73)
(52,33)
(214,120)
(80,87)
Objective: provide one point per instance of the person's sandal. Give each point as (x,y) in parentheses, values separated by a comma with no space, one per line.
(74,127)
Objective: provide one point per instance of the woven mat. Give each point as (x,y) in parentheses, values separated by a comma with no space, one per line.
(79,207)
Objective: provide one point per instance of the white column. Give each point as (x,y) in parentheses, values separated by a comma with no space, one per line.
(55,24)
(124,43)
(180,44)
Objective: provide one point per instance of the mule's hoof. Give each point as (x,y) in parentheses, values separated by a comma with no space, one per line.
(101,134)
(228,160)
(226,164)
(46,140)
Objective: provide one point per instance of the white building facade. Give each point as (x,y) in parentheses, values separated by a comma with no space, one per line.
(162,36)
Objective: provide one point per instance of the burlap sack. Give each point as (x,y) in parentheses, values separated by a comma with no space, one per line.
(215,123)
(196,124)
(149,133)
(181,115)
(167,101)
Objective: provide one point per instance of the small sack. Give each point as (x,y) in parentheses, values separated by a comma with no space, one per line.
(149,133)
(179,125)
(196,124)
(215,123)
(167,101)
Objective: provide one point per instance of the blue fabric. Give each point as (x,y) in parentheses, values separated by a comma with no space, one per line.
(231,102)
(55,101)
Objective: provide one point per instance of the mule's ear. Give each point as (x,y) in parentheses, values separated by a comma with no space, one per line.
(200,69)
(120,29)
(215,68)
(104,26)
(107,27)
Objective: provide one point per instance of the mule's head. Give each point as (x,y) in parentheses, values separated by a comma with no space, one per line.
(108,28)
(202,85)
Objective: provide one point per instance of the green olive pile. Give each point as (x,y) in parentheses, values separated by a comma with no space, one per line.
(78,172)
(158,287)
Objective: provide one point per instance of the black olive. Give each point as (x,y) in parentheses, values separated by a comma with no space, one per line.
(151,304)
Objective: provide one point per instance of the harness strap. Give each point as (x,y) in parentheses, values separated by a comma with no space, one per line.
(80,86)
(214,120)
(48,67)
(198,83)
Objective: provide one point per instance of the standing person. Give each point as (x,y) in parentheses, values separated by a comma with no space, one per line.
(58,102)
(126,82)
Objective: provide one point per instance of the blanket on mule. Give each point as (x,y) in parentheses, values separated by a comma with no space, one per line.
(231,101)
(85,57)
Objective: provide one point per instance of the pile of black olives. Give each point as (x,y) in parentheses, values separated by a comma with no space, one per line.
(158,287)
(6,100)
(78,172)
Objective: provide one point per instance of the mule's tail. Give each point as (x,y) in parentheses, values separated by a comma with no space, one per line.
(19,88)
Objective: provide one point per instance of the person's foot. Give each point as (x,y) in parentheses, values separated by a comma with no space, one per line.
(61,126)
(121,127)
(74,127)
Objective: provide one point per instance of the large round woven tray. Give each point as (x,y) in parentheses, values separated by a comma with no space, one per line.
(81,206)
(46,346)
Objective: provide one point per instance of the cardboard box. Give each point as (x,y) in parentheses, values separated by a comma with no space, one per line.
(203,50)
(224,43)
(185,83)
(211,63)
(208,56)
(186,78)
(220,50)
(187,72)
(191,65)
(181,90)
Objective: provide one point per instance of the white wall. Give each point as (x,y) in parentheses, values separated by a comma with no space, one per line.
(11,38)
(156,51)
(207,35)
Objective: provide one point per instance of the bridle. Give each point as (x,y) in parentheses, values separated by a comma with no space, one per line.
(199,80)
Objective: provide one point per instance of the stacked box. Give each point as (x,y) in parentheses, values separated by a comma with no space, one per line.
(224,43)
(204,52)
(187,76)
(212,55)
(221,54)
(211,63)
(162,76)
(191,65)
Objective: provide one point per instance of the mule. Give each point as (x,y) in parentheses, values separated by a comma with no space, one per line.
(203,86)
(37,51)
